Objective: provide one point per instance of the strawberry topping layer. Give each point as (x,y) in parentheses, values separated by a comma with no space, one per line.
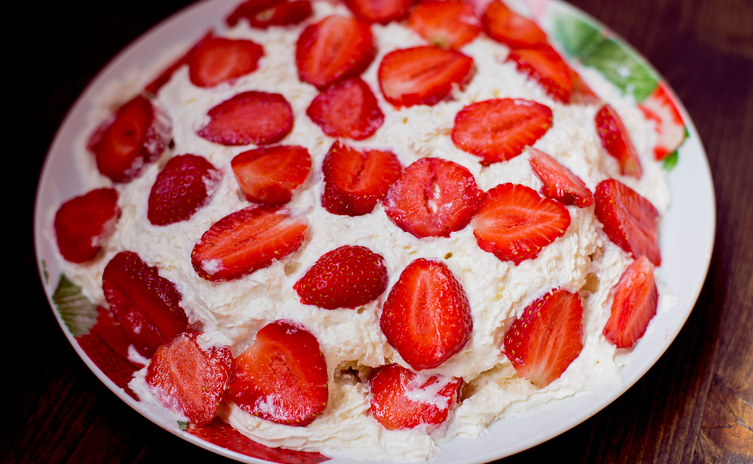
(516,31)
(347,109)
(558,182)
(270,175)
(616,141)
(445,23)
(634,304)
(217,60)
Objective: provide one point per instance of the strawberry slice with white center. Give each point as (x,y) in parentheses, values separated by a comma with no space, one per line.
(270,175)
(445,23)
(249,117)
(515,223)
(335,48)
(634,304)
(629,220)
(402,399)
(379,11)
(547,337)
(246,241)
(189,378)
(83,223)
(265,13)
(499,129)
(616,141)
(282,376)
(218,59)
(347,109)
(427,317)
(544,65)
(559,182)
(660,108)
(433,198)
(516,31)
(356,180)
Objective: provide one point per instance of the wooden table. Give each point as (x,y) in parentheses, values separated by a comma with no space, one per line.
(694,405)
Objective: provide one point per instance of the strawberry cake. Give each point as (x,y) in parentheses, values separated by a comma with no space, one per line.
(363,229)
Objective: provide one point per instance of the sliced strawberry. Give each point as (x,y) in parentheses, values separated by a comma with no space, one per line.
(445,23)
(249,9)
(84,222)
(547,337)
(265,13)
(218,59)
(136,137)
(558,181)
(670,130)
(423,75)
(545,66)
(346,277)
(335,48)
(282,377)
(433,198)
(634,304)
(582,93)
(145,305)
(246,241)
(427,317)
(616,141)
(499,129)
(154,86)
(514,222)
(510,28)
(402,399)
(354,181)
(188,378)
(271,175)
(347,109)
(629,220)
(249,117)
(379,11)
(185,184)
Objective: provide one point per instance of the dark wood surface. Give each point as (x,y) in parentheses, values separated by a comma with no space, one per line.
(694,405)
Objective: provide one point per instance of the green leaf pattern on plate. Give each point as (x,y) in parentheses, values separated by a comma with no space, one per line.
(78,312)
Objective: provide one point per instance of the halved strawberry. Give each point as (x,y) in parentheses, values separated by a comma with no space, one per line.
(634,304)
(282,377)
(346,277)
(445,23)
(559,182)
(145,305)
(84,222)
(153,87)
(335,48)
(433,198)
(270,175)
(347,109)
(629,220)
(547,337)
(499,129)
(544,65)
(379,11)
(136,137)
(218,59)
(249,9)
(510,28)
(582,93)
(514,222)
(616,141)
(265,13)
(427,317)
(185,184)
(670,130)
(249,117)
(402,399)
(354,180)
(247,240)
(423,75)
(188,378)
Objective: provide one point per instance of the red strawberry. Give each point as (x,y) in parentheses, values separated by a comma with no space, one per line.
(247,240)
(634,304)
(249,9)
(282,377)
(427,317)
(558,181)
(433,198)
(402,399)
(136,137)
(185,184)
(249,117)
(153,87)
(347,109)
(270,175)
(629,220)
(514,223)
(616,141)
(346,277)
(84,222)
(582,93)
(146,305)
(510,28)
(354,181)
(670,130)
(333,49)
(265,13)
(423,75)
(379,11)
(545,66)
(218,59)
(445,23)
(189,378)
(499,129)
(547,337)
